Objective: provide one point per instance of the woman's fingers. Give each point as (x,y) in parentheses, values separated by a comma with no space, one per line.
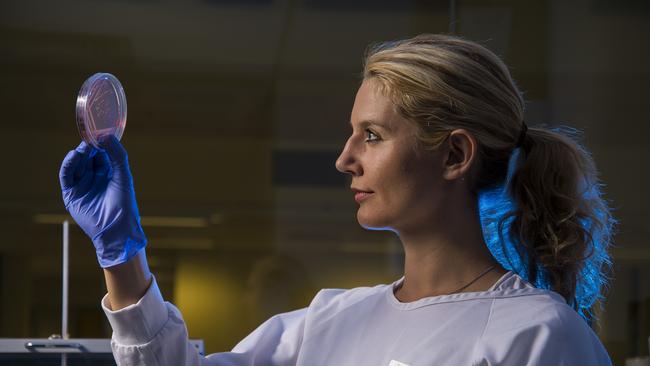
(74,165)
(101,163)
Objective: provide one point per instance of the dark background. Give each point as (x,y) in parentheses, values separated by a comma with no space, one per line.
(236,113)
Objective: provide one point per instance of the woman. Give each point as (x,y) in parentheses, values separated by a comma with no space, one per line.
(436,121)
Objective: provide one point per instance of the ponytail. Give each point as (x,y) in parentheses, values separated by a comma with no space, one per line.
(558,223)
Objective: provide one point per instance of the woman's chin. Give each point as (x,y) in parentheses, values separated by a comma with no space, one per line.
(372,222)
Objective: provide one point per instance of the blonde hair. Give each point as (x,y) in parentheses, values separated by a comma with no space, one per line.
(558,222)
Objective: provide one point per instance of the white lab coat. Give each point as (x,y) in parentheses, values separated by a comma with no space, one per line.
(513,323)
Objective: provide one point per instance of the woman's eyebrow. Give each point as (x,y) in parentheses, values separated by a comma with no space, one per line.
(370,122)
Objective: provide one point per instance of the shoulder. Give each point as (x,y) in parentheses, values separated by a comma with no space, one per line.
(518,308)
(519,304)
(327,301)
(537,326)
(334,300)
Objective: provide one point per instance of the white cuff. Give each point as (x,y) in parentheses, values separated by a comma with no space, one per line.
(138,323)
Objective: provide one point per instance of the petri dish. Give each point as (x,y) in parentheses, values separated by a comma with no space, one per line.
(101,108)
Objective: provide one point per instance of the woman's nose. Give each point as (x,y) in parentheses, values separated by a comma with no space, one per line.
(347,161)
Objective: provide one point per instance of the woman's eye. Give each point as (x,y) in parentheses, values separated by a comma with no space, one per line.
(371,136)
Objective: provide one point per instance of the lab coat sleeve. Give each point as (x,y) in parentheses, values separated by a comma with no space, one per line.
(152,332)
(558,336)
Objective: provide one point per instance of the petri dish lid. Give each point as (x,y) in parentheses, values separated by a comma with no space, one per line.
(101,108)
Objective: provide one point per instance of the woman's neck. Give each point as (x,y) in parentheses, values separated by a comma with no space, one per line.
(440,259)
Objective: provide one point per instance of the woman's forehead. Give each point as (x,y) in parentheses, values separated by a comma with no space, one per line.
(371,106)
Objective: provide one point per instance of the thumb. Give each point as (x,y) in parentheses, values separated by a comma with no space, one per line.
(116,155)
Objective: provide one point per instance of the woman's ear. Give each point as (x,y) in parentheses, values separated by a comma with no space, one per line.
(460,152)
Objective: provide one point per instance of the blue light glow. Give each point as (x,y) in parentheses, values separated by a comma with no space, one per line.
(494,204)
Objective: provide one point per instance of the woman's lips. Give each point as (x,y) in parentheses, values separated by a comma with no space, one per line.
(360,196)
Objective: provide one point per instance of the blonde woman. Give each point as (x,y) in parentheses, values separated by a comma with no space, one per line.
(437,124)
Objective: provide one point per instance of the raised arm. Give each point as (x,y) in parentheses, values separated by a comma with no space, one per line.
(97,189)
(127,282)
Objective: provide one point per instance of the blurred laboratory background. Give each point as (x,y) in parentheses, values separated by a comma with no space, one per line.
(237,110)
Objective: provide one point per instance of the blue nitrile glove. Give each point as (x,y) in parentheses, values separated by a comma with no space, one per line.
(98,192)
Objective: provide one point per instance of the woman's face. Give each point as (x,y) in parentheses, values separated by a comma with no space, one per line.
(397,184)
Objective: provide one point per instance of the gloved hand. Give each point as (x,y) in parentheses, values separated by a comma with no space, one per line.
(98,192)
